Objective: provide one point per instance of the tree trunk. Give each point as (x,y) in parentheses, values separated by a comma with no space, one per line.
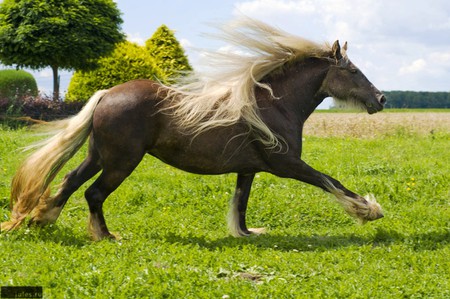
(55,83)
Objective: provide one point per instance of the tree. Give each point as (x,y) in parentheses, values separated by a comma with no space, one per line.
(63,34)
(128,61)
(414,99)
(168,53)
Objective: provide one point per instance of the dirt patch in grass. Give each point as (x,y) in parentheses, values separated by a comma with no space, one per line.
(380,124)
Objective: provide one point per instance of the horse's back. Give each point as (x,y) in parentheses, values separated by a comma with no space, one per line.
(130,97)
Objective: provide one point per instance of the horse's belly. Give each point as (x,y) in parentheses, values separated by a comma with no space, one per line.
(215,156)
(193,161)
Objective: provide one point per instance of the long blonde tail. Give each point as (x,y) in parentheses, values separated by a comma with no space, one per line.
(30,185)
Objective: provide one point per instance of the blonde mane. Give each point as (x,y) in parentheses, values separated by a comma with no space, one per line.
(226,93)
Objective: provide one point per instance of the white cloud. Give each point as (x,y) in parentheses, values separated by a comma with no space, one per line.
(441,58)
(232,49)
(136,38)
(269,7)
(329,19)
(432,65)
(185,43)
(416,66)
(45,73)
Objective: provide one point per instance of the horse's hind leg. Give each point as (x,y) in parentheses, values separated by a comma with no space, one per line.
(238,209)
(49,209)
(113,174)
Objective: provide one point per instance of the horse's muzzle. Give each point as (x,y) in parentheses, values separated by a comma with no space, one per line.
(377,105)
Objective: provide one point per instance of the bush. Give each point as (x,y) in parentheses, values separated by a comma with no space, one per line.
(16,84)
(128,61)
(44,108)
(29,110)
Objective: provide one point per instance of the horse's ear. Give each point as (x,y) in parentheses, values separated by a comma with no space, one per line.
(336,49)
(344,49)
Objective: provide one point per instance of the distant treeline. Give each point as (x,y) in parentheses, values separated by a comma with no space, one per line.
(417,99)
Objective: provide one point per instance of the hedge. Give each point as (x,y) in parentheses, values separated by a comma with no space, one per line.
(17,84)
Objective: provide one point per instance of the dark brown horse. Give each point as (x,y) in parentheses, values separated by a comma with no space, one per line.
(245,118)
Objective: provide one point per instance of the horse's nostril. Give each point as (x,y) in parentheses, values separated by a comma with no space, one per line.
(382,99)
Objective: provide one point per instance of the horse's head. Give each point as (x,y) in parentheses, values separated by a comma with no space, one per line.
(346,83)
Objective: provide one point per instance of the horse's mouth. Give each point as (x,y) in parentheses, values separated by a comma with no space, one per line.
(373,107)
(376,105)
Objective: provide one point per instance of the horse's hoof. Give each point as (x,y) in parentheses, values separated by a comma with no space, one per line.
(108,236)
(250,232)
(115,236)
(257,231)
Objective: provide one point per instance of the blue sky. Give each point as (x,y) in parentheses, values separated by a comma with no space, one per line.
(399,45)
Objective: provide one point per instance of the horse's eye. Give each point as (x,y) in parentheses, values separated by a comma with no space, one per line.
(353,71)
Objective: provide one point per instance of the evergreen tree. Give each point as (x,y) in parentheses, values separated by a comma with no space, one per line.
(168,54)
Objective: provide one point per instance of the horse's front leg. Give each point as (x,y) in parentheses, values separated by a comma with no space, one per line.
(238,208)
(362,208)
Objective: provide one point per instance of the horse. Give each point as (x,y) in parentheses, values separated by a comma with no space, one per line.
(244,115)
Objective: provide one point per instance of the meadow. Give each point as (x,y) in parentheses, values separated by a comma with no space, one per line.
(174,241)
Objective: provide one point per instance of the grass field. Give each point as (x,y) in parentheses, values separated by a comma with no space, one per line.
(173,224)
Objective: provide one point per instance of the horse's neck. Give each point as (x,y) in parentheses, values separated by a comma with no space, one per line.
(299,85)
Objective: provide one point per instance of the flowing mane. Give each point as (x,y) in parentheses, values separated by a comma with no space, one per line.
(225,94)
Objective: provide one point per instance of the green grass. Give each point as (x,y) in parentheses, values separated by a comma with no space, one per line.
(175,243)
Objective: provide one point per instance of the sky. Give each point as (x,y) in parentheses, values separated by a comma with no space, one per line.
(398,44)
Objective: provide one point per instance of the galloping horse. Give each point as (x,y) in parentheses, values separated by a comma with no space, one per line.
(245,116)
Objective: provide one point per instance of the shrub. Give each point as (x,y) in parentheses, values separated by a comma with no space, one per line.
(16,84)
(128,61)
(30,110)
(44,108)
